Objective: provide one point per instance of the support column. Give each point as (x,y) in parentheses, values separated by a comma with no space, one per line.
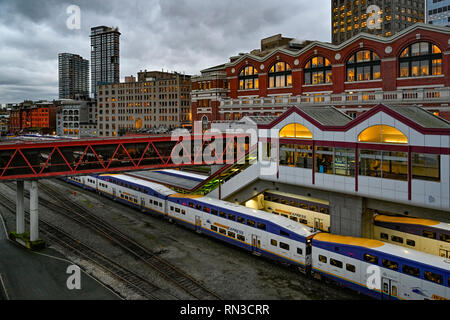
(20,211)
(34,213)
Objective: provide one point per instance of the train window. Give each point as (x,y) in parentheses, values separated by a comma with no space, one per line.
(232,217)
(150,201)
(241,238)
(126,197)
(284,246)
(285,215)
(433,277)
(191,204)
(445,237)
(266,197)
(275,200)
(371,259)
(411,243)
(198,207)
(183,212)
(214,212)
(223,231)
(384,236)
(293,204)
(160,204)
(304,221)
(390,264)
(250,223)
(206,209)
(324,211)
(231,234)
(241,220)
(429,234)
(350,268)
(274,243)
(314,208)
(303,206)
(177,210)
(336,263)
(283,233)
(397,239)
(171,208)
(412,271)
(261,226)
(283,201)
(294,219)
(214,228)
(222,214)
(299,251)
(323,259)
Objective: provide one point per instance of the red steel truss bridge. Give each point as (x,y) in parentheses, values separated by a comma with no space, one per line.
(35,160)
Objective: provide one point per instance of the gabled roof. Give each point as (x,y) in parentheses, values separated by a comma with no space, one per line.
(331,119)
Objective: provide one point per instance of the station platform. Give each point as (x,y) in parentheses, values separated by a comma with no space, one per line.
(188,182)
(25,275)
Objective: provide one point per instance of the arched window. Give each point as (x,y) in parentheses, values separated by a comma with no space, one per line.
(295,130)
(383,134)
(318,71)
(363,65)
(419,60)
(248,78)
(280,75)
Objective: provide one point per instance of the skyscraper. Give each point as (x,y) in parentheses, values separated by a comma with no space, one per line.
(379,17)
(105,57)
(73,76)
(438,12)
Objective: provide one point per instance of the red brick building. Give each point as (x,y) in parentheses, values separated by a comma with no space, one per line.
(410,68)
(35,117)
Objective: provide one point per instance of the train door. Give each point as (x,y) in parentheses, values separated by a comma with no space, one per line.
(198,224)
(318,223)
(256,243)
(390,289)
(142,203)
(114,192)
(444,254)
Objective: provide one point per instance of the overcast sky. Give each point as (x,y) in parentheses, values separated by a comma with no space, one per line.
(180,35)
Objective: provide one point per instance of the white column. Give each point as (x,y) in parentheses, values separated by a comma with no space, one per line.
(20,213)
(34,214)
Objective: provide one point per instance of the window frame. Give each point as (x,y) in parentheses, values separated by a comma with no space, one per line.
(353,63)
(430,57)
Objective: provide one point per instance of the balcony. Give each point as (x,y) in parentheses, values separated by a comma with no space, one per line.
(418,96)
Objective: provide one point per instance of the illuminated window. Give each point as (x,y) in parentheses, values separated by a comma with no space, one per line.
(383,134)
(318,71)
(363,65)
(248,79)
(419,60)
(280,75)
(295,130)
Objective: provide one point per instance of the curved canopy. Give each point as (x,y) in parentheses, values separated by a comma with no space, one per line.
(295,130)
(383,134)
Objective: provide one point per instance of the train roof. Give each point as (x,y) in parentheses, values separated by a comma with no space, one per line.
(386,248)
(296,196)
(188,175)
(413,221)
(154,186)
(280,221)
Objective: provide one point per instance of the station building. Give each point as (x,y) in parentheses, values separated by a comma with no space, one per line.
(393,160)
(33,116)
(410,68)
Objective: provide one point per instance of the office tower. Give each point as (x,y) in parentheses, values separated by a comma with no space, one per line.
(73,76)
(105,57)
(348,18)
(438,12)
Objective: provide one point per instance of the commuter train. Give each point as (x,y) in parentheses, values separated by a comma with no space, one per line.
(312,212)
(371,267)
(420,234)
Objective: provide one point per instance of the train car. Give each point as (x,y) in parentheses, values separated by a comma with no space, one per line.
(253,230)
(380,270)
(312,212)
(85,182)
(424,235)
(143,195)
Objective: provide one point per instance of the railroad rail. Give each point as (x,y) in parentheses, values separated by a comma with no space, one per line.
(170,273)
(131,280)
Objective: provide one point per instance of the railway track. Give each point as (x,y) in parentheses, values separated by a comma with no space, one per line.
(129,278)
(170,273)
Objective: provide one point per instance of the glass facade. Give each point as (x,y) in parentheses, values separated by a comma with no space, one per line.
(280,75)
(318,71)
(363,66)
(248,79)
(420,59)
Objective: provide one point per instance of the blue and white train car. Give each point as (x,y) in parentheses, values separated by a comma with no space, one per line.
(183,174)
(380,270)
(253,230)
